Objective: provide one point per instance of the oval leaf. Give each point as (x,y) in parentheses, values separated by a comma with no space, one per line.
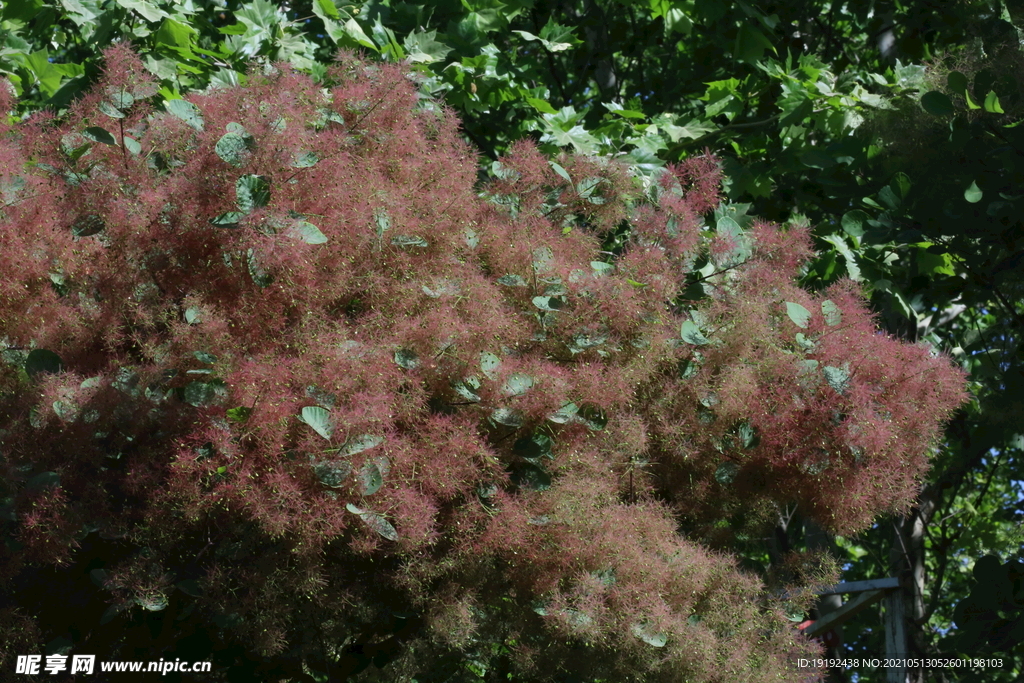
(361,443)
(97,134)
(232,148)
(319,419)
(691,334)
(406,359)
(489,364)
(800,316)
(42,360)
(937,104)
(186,111)
(308,233)
(833,316)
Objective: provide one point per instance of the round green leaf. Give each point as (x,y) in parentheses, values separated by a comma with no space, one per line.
(853,223)
(517,384)
(319,419)
(332,474)
(957,82)
(42,360)
(489,364)
(937,104)
(232,148)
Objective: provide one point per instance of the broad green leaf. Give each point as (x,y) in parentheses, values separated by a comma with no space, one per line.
(517,384)
(467,389)
(43,360)
(531,477)
(252,192)
(512,280)
(852,267)
(308,233)
(751,44)
(691,334)
(565,414)
(186,111)
(422,48)
(957,82)
(239,414)
(193,315)
(406,359)
(132,145)
(199,394)
(548,303)
(973,193)
(228,219)
(726,473)
(147,10)
(382,526)
(233,148)
(833,316)
(363,442)
(204,357)
(110,110)
(800,316)
(332,473)
(507,417)
(489,364)
(370,478)
(900,185)
(837,378)
(541,105)
(319,419)
(305,160)
(853,223)
(97,134)
(602,268)
(937,104)
(550,45)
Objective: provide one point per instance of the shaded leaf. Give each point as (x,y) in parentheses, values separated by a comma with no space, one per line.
(43,360)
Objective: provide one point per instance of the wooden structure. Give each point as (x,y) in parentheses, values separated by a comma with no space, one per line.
(868,593)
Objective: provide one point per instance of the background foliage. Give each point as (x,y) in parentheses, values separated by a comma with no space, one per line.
(889,129)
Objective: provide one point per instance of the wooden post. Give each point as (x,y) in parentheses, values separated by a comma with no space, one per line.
(895,635)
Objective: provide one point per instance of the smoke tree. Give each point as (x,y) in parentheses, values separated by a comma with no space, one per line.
(315,394)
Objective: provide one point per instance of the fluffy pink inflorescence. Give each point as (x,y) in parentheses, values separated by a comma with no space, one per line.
(301,330)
